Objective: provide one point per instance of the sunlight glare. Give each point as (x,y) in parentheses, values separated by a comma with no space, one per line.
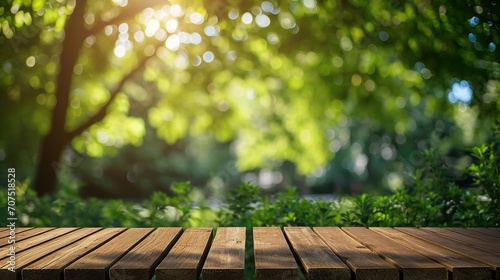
(196,18)
(247,18)
(120,51)
(121,3)
(123,28)
(195,38)
(176,10)
(139,36)
(152,26)
(172,25)
(173,42)
(210,30)
(262,20)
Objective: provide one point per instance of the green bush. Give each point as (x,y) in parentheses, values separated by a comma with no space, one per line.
(429,199)
(69,210)
(247,207)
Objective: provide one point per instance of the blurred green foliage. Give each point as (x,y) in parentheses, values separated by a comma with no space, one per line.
(344,90)
(69,210)
(430,198)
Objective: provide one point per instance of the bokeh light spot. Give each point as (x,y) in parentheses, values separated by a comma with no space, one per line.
(384,36)
(460,92)
(492,47)
(173,42)
(474,21)
(30,61)
(263,20)
(247,18)
(208,56)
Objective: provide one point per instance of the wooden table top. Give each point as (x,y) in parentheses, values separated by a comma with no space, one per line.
(277,253)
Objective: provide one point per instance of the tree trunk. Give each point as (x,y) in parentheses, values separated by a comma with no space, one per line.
(48,165)
(57,138)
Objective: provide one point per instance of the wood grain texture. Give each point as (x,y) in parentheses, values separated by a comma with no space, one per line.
(140,262)
(411,264)
(493,247)
(273,258)
(35,253)
(5,232)
(52,265)
(477,235)
(365,264)
(490,231)
(40,239)
(185,259)
(226,258)
(21,235)
(460,267)
(491,259)
(97,263)
(317,259)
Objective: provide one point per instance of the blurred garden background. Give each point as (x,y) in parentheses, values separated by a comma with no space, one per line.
(229,112)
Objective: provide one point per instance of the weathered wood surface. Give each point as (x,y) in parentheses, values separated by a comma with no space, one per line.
(52,265)
(474,241)
(186,258)
(22,234)
(5,232)
(317,259)
(139,262)
(273,257)
(484,256)
(37,252)
(97,263)
(363,262)
(316,253)
(461,266)
(478,234)
(412,264)
(226,259)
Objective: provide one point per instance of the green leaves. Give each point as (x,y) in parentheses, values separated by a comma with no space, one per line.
(485,172)
(248,207)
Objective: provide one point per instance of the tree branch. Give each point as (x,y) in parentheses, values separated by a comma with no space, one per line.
(102,112)
(126,13)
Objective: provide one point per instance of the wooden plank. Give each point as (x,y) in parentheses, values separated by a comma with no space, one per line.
(28,256)
(5,232)
(140,262)
(226,258)
(318,261)
(35,241)
(489,231)
(364,263)
(477,234)
(52,265)
(273,258)
(411,264)
(483,256)
(23,235)
(42,238)
(185,259)
(97,263)
(460,266)
(492,246)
